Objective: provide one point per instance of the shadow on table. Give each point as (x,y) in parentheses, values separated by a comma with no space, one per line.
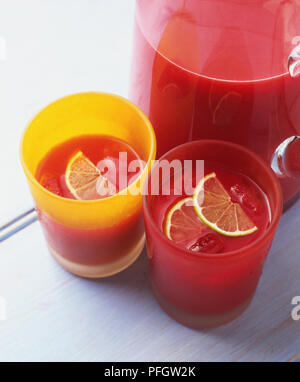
(133,278)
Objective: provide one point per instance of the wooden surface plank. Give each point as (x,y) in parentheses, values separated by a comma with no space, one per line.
(53,315)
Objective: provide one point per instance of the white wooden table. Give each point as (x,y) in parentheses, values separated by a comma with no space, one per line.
(54,48)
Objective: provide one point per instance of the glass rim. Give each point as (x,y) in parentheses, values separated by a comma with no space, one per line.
(124,191)
(224,80)
(257,243)
(284,73)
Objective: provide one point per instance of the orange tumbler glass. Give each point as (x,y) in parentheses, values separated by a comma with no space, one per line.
(90,238)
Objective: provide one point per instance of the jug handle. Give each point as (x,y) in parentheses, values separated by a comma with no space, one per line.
(278,162)
(294,62)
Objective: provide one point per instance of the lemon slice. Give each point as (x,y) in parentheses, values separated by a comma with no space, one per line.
(182,223)
(214,207)
(84,179)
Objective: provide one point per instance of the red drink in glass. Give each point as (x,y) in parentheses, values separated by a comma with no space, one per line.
(219,70)
(64,153)
(241,189)
(98,149)
(205,283)
(82,246)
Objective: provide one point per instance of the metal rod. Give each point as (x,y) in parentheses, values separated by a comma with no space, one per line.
(17,224)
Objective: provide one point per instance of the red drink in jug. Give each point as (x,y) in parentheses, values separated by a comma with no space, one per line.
(219,70)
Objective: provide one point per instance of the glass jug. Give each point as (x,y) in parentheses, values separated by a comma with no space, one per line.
(222,69)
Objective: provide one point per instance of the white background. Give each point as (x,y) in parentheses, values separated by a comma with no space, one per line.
(58,47)
(54,48)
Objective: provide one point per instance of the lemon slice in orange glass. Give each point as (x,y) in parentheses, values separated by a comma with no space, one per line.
(214,207)
(84,179)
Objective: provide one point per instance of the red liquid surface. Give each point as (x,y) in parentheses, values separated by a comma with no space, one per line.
(242,190)
(218,70)
(51,170)
(90,247)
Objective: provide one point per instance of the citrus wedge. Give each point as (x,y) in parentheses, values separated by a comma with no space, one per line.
(182,224)
(84,179)
(214,207)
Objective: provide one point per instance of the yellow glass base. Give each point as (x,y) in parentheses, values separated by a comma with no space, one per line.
(100,270)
